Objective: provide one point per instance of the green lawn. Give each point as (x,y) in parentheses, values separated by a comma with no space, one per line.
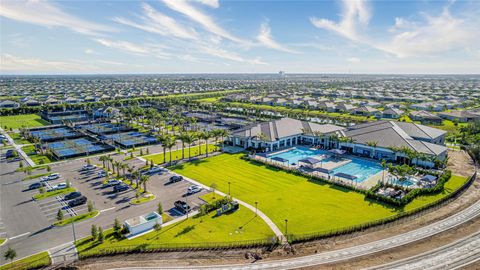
(36,176)
(142,199)
(32,262)
(309,207)
(17,138)
(41,196)
(2,240)
(38,159)
(241,225)
(177,154)
(22,120)
(78,218)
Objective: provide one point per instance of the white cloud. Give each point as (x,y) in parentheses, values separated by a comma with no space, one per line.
(11,63)
(353,60)
(266,39)
(232,56)
(437,34)
(210,3)
(204,20)
(354,14)
(433,35)
(47,14)
(90,51)
(125,46)
(156,22)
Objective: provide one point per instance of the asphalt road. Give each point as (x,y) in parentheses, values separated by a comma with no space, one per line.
(28,223)
(456,255)
(351,252)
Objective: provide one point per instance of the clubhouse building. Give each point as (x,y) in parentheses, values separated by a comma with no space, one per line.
(387,140)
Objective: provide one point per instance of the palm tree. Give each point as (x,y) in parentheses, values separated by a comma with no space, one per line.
(181,137)
(169,142)
(372,144)
(136,175)
(384,165)
(162,139)
(206,135)
(189,139)
(144,179)
(103,159)
(223,133)
(123,166)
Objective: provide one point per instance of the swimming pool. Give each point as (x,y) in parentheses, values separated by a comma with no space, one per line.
(295,154)
(409,182)
(362,169)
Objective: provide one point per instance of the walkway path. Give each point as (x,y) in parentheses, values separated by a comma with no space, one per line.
(18,148)
(63,253)
(265,218)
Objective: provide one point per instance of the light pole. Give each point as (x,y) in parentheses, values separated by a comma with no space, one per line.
(286,228)
(256,204)
(73,230)
(229,189)
(186,201)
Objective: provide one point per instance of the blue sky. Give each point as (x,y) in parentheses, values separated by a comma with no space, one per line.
(211,36)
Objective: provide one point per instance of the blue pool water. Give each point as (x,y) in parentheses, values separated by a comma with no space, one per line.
(295,154)
(362,169)
(405,183)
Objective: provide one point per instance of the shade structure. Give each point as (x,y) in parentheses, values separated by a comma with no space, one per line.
(337,151)
(311,161)
(347,176)
(429,178)
(279,159)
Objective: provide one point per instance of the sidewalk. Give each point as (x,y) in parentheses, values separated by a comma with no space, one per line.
(18,148)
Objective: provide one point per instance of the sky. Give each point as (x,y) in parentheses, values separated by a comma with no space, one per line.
(242,36)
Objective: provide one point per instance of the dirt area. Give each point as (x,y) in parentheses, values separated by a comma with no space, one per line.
(471,195)
(460,163)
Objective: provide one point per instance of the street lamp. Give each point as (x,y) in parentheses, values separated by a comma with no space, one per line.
(229,189)
(286,228)
(256,204)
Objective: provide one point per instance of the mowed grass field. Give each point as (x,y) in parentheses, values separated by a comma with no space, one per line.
(22,120)
(309,207)
(177,154)
(239,226)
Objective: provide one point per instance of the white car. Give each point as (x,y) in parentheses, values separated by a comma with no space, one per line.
(59,186)
(155,170)
(102,174)
(112,182)
(53,176)
(194,189)
(88,167)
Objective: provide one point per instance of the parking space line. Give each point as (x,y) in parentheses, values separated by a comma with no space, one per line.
(20,235)
(108,209)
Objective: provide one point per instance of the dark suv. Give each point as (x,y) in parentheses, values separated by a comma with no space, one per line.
(176,178)
(36,185)
(78,201)
(72,195)
(120,188)
(182,206)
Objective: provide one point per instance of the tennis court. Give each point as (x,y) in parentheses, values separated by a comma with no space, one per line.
(131,139)
(77,147)
(105,128)
(68,118)
(54,134)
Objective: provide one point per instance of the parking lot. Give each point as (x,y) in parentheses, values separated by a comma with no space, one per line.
(28,223)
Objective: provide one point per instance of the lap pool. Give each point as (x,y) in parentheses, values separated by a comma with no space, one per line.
(359,168)
(297,153)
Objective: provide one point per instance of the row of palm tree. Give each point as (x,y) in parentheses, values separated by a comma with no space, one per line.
(108,161)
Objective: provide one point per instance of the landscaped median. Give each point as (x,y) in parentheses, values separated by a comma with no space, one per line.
(142,199)
(32,262)
(310,207)
(48,194)
(239,228)
(2,240)
(77,218)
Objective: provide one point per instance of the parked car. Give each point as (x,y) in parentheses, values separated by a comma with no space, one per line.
(72,195)
(78,201)
(194,189)
(175,178)
(59,186)
(53,176)
(112,183)
(155,169)
(102,174)
(88,167)
(182,206)
(36,185)
(10,153)
(120,188)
